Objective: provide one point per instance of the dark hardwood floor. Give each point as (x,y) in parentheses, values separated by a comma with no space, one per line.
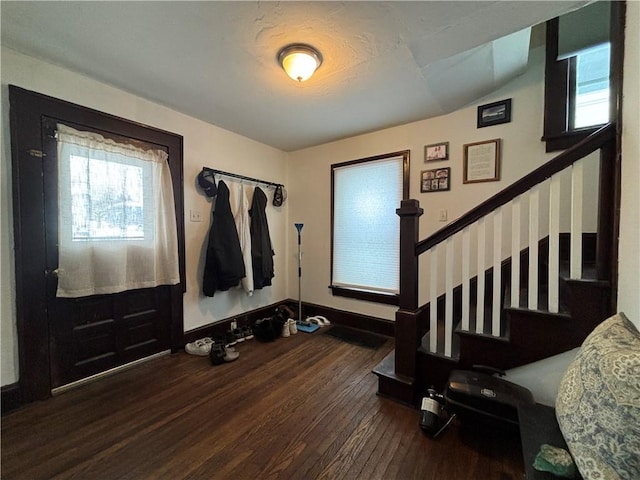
(303,407)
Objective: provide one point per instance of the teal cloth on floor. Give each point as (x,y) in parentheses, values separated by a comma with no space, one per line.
(307,328)
(555,460)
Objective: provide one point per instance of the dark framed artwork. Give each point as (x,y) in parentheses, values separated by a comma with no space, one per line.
(435,180)
(481,161)
(494,113)
(436,151)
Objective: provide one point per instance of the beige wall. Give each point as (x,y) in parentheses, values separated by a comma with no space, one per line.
(204,145)
(522,151)
(629,259)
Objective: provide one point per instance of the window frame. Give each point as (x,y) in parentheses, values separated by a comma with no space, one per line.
(358,294)
(559,96)
(559,82)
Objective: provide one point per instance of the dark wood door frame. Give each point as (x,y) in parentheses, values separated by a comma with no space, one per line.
(27,111)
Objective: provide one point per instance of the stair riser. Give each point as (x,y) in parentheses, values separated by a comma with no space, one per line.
(535,336)
(433,371)
(589,303)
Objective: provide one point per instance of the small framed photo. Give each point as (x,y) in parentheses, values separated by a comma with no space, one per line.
(437,151)
(494,113)
(481,161)
(435,180)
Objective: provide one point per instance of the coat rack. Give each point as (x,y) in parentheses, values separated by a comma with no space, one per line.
(242,177)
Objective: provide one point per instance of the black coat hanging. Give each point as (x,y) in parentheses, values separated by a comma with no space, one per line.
(261,249)
(224,266)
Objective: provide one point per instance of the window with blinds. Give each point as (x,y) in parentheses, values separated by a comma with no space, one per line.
(366,228)
(579,49)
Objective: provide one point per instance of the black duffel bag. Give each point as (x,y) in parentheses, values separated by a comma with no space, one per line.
(269,328)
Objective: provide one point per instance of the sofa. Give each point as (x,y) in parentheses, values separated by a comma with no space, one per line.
(597,410)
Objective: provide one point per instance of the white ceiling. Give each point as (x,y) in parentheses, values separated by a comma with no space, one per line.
(385,63)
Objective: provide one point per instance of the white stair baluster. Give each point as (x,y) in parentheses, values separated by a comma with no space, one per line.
(433,301)
(466,257)
(480,283)
(534,211)
(554,244)
(448,309)
(497,272)
(577,180)
(515,253)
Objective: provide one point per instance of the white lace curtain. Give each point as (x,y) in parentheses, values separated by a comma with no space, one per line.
(116,216)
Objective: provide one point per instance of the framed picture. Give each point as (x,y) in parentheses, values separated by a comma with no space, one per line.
(437,151)
(435,180)
(481,161)
(494,113)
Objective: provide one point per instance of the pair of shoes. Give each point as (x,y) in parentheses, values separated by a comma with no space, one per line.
(238,334)
(319,320)
(289,328)
(241,334)
(200,347)
(230,339)
(222,340)
(285,311)
(247,332)
(219,354)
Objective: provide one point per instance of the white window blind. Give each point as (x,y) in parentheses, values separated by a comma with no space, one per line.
(592,86)
(116,216)
(366,228)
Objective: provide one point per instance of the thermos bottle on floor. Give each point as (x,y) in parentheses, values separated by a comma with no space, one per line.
(430,412)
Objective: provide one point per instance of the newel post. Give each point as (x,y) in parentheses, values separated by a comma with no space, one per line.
(407,327)
(606,209)
(608,219)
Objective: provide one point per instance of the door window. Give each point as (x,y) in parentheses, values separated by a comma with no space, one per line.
(116,225)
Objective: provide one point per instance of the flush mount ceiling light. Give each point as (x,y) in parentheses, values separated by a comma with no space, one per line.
(299,61)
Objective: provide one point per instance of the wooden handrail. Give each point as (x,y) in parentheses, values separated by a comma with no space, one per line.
(590,144)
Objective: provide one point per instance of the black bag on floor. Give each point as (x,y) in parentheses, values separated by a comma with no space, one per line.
(269,328)
(479,393)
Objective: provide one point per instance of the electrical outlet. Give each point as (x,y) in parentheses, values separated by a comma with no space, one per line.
(443,215)
(195,216)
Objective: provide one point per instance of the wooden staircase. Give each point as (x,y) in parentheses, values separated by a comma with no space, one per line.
(539,312)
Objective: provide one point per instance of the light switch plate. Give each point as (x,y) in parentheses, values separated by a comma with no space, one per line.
(195,216)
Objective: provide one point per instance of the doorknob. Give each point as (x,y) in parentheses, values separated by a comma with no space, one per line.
(52,272)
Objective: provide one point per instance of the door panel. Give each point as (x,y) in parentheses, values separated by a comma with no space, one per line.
(93,334)
(58,340)
(90,335)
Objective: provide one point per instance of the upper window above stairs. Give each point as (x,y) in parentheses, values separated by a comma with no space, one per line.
(577,75)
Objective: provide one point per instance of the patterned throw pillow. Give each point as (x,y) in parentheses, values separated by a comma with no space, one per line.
(598,403)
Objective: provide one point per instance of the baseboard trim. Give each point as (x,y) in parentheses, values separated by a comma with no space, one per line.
(11,397)
(348,319)
(220,327)
(341,317)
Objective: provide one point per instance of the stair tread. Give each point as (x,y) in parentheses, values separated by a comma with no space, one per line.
(542,303)
(504,338)
(425,344)
(540,312)
(589,271)
(387,368)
